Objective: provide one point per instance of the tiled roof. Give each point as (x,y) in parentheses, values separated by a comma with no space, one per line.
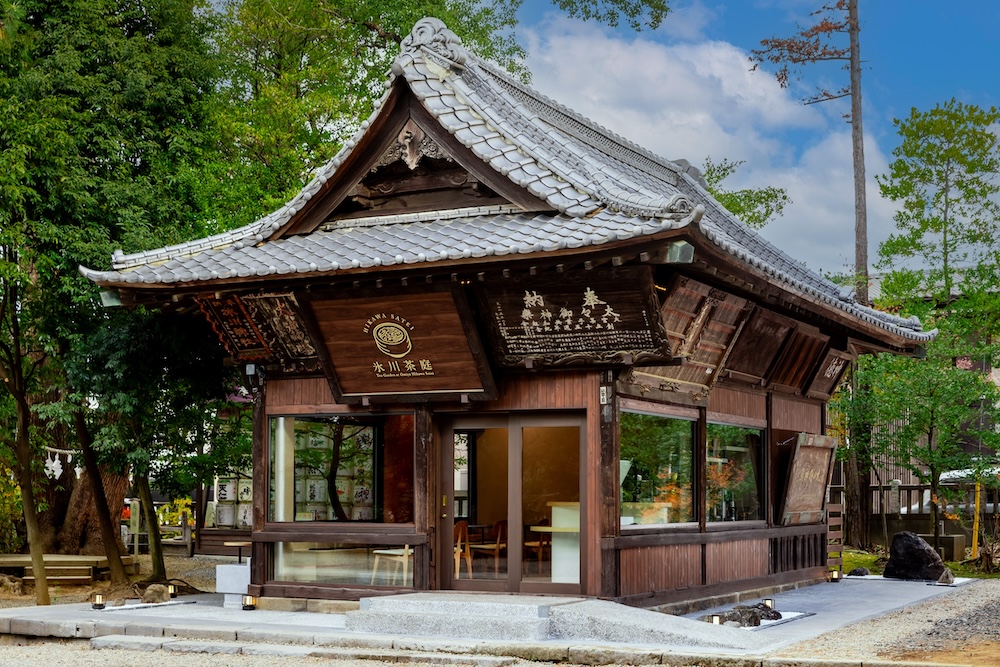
(600,188)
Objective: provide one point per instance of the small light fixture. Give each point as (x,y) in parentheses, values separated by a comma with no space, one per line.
(172,590)
(249,602)
(98,601)
(835,575)
(769,603)
(716,619)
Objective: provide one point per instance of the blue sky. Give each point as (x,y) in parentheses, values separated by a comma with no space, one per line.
(686,91)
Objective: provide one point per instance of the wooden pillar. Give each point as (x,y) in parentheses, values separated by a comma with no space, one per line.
(610,485)
(258,563)
(426,499)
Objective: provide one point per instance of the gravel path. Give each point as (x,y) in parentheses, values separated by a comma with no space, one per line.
(966,615)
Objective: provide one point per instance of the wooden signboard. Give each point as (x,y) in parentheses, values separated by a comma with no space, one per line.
(390,346)
(808,478)
(603,316)
(829,373)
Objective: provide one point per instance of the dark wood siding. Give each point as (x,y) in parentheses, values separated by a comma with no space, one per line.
(661,567)
(732,405)
(736,560)
(791,414)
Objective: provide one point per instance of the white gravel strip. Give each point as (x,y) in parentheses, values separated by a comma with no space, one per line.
(79,654)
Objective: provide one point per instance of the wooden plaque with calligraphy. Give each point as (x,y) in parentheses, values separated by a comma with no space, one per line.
(415,345)
(604,316)
(808,478)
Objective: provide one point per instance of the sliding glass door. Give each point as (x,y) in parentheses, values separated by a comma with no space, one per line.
(512,503)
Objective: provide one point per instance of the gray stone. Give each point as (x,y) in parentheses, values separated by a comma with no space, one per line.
(104,628)
(859,572)
(202,647)
(605,655)
(283,637)
(947,577)
(911,558)
(127,643)
(199,632)
(278,649)
(11,585)
(38,628)
(150,629)
(156,593)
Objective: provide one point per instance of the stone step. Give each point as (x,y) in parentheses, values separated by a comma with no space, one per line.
(134,643)
(460,604)
(457,625)
(470,616)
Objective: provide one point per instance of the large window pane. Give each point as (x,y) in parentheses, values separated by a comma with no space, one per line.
(341,469)
(731,474)
(656,471)
(323,563)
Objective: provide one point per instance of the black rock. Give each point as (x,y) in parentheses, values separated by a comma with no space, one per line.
(859,572)
(911,558)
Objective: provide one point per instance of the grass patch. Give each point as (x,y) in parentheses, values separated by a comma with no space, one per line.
(875,562)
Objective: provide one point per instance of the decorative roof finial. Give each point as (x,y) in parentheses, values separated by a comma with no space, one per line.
(432,34)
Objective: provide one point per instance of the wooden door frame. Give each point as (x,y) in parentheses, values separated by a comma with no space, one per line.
(513,423)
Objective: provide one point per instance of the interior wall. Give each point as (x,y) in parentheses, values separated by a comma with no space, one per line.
(491,476)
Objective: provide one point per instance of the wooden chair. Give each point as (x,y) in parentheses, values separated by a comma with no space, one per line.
(497,545)
(539,546)
(395,558)
(462,551)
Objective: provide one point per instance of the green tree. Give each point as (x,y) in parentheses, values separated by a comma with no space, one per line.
(944,179)
(929,411)
(754,206)
(160,384)
(102,117)
(303,74)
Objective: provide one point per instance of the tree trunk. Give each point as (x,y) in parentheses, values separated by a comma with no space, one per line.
(110,535)
(159,572)
(22,447)
(855,489)
(79,531)
(858,146)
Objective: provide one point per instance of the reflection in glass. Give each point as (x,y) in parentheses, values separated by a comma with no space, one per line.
(656,472)
(335,468)
(732,492)
(379,565)
(550,504)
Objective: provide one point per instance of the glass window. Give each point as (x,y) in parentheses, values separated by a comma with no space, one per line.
(340,468)
(732,486)
(323,563)
(656,472)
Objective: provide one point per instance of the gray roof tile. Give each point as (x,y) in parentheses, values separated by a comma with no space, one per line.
(604,187)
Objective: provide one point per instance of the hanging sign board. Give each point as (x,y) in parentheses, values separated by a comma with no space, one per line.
(808,478)
(391,346)
(598,317)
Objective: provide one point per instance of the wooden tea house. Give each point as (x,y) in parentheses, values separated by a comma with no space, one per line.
(495,347)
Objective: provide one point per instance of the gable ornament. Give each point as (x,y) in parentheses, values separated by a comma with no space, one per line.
(431,34)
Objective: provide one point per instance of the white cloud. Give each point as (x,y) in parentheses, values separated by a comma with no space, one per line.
(697,99)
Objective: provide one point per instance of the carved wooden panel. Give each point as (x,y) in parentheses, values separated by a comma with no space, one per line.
(828,374)
(263,327)
(604,316)
(389,346)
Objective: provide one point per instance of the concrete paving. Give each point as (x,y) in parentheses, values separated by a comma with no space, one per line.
(579,630)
